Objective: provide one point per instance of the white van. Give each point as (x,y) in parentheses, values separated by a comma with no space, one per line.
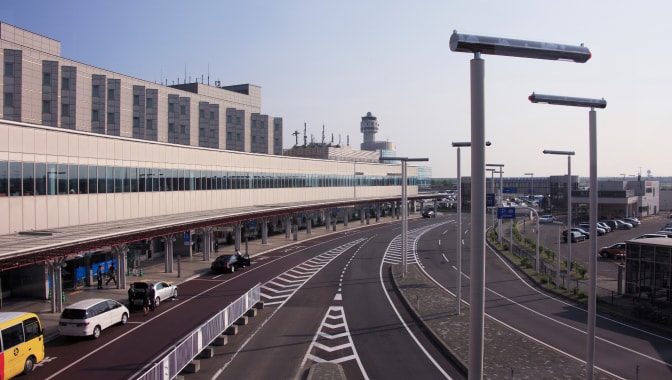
(90,317)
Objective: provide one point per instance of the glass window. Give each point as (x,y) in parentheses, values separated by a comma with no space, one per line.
(110,94)
(183,129)
(94,115)
(109,173)
(150,103)
(118,180)
(93,179)
(14,178)
(52,179)
(171,127)
(46,106)
(127,179)
(183,110)
(110,118)
(212,115)
(83,187)
(72,179)
(136,100)
(28,178)
(9,99)
(228,118)
(136,122)
(9,69)
(65,83)
(201,114)
(65,110)
(4,178)
(46,79)
(102,184)
(142,180)
(63,179)
(12,336)
(40,178)
(171,107)
(133,174)
(95,90)
(155,179)
(150,124)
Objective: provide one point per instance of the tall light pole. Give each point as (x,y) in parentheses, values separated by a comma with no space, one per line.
(569,155)
(404,210)
(501,196)
(492,186)
(458,292)
(592,217)
(531,182)
(478,45)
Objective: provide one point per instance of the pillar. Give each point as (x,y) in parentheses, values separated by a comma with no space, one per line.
(120,253)
(309,223)
(264,231)
(327,219)
(237,230)
(168,257)
(207,242)
(377,212)
(288,226)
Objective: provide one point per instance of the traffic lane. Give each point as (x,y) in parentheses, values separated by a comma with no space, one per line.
(279,345)
(206,296)
(380,334)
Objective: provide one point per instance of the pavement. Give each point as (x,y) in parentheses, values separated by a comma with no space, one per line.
(506,353)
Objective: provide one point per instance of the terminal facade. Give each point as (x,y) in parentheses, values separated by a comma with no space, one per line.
(82,146)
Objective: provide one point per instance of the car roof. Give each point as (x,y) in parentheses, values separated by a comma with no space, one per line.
(87,303)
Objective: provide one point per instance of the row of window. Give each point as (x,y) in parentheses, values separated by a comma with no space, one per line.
(39,178)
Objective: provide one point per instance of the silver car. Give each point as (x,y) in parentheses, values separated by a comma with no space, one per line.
(162,289)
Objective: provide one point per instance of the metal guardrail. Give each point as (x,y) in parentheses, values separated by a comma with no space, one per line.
(170,363)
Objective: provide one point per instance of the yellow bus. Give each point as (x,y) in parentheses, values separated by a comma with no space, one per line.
(21,343)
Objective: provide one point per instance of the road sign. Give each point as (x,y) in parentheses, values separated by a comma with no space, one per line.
(510,190)
(506,212)
(490,200)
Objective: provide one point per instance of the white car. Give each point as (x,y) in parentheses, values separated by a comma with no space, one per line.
(90,317)
(162,289)
(546,219)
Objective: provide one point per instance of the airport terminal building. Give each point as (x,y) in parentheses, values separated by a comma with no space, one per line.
(83,146)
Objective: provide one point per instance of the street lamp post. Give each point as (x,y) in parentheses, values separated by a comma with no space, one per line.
(458,292)
(569,155)
(531,182)
(501,196)
(478,45)
(404,210)
(592,217)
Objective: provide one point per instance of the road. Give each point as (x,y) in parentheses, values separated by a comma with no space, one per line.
(622,349)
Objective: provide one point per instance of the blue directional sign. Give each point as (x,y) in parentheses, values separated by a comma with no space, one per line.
(490,200)
(506,212)
(510,190)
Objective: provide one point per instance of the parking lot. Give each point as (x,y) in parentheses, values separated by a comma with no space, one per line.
(607,269)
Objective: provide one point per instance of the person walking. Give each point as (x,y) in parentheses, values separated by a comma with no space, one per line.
(151,294)
(131,298)
(99,276)
(111,275)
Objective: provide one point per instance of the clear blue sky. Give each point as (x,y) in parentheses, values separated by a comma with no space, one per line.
(329,63)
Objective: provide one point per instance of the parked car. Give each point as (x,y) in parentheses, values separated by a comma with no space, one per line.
(546,219)
(162,290)
(614,251)
(229,263)
(621,225)
(586,227)
(649,236)
(90,317)
(605,226)
(666,233)
(611,223)
(576,236)
(634,221)
(429,213)
(582,232)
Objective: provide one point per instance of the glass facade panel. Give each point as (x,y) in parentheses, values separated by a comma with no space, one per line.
(28,178)
(62,179)
(83,179)
(40,178)
(93,179)
(14,179)
(73,172)
(4,178)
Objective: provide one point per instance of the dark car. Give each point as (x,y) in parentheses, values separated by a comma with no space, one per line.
(429,213)
(582,232)
(229,263)
(576,236)
(162,291)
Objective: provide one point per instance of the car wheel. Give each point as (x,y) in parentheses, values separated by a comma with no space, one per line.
(29,365)
(157,301)
(175,294)
(96,332)
(124,319)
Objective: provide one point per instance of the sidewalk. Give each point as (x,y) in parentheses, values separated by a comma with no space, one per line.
(154,269)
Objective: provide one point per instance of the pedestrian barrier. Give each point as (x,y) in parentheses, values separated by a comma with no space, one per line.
(170,363)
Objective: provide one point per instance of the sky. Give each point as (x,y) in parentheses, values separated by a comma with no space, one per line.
(328,63)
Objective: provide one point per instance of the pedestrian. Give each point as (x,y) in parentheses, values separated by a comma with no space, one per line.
(145,301)
(131,298)
(151,294)
(100,276)
(111,275)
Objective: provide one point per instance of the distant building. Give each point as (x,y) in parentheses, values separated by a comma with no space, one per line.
(369,128)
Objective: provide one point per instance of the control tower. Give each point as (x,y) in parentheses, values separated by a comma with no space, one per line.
(369,128)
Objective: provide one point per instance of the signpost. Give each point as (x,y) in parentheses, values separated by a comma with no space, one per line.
(506,213)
